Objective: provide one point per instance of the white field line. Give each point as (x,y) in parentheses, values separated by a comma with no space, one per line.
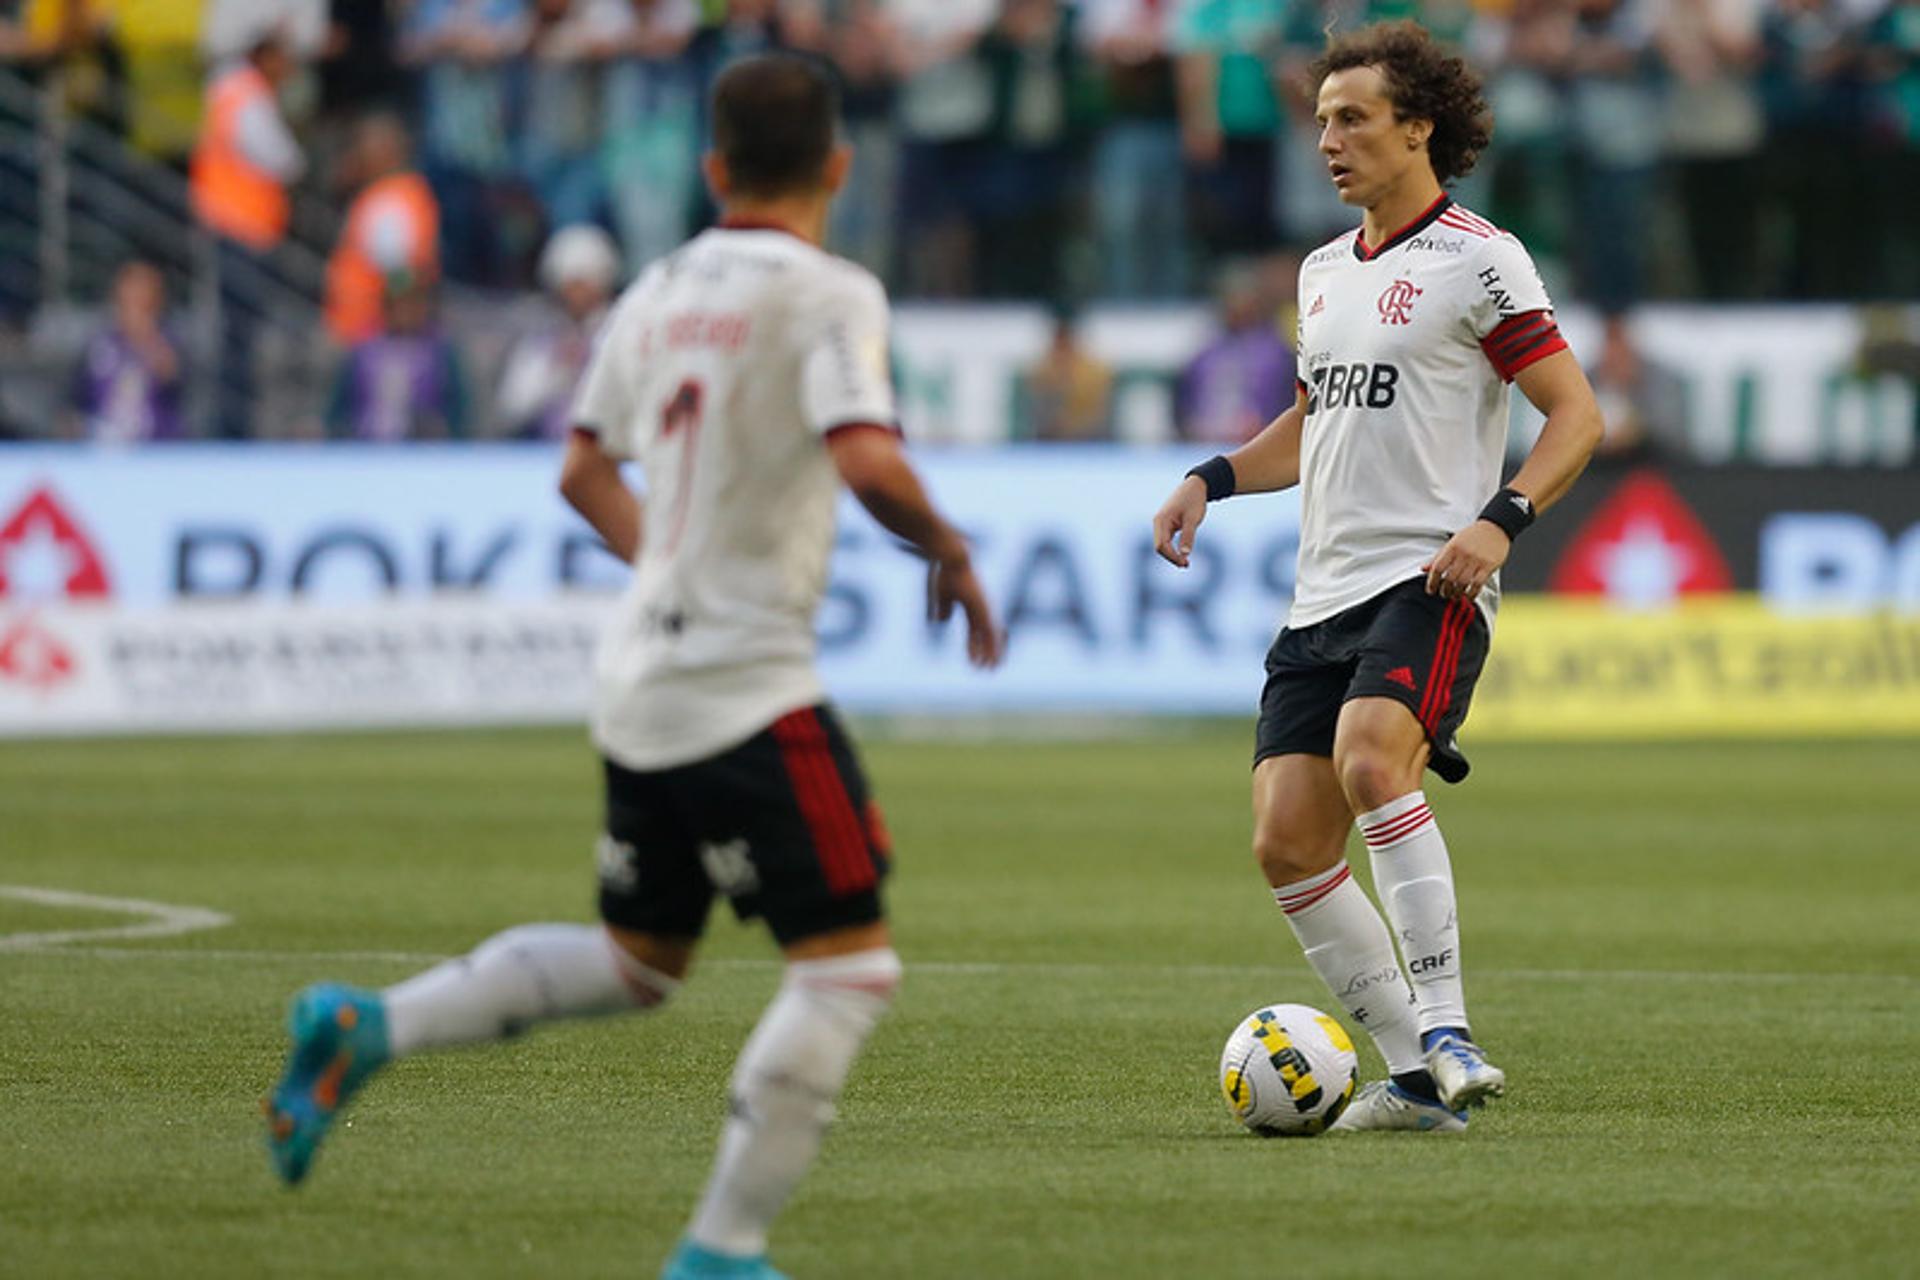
(163,920)
(960,968)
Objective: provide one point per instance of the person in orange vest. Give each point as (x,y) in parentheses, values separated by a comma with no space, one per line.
(393,227)
(242,166)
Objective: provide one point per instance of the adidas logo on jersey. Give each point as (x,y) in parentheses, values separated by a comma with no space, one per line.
(1319,304)
(1402,676)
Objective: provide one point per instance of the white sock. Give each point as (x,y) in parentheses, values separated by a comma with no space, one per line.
(1348,945)
(532,973)
(1414,878)
(784,1089)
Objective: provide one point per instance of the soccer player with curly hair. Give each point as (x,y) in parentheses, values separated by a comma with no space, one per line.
(1412,329)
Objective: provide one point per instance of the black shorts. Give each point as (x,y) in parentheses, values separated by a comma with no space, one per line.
(1403,644)
(781,824)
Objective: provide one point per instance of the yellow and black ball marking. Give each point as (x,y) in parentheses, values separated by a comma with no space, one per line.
(1239,1090)
(1295,1071)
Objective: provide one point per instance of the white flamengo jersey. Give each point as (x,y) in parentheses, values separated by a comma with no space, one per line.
(721,370)
(1406,356)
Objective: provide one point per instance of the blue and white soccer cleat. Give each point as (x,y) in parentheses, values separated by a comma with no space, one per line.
(1384,1105)
(1462,1073)
(691,1262)
(339,1039)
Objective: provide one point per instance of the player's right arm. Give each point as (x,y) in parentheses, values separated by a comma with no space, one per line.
(873,465)
(1269,461)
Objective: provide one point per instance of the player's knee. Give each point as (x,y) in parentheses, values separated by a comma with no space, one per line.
(1371,778)
(860,980)
(1286,856)
(651,967)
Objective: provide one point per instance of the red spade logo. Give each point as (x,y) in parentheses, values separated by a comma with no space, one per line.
(34,656)
(44,554)
(1644,546)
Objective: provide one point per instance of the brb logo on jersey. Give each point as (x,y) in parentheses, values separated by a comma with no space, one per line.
(1396,304)
(1353,386)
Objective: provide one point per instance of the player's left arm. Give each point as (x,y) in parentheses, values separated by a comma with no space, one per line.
(1558,387)
(590,481)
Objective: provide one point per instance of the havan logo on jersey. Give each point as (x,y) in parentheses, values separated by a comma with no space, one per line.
(1503,301)
(1359,385)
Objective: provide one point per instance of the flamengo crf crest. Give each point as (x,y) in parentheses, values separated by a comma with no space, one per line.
(1396,304)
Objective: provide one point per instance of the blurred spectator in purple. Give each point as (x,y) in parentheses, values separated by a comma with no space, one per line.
(126,385)
(463,48)
(1617,135)
(404,384)
(1230,119)
(580,269)
(1715,128)
(1812,79)
(945,115)
(651,118)
(1140,222)
(1244,377)
(1067,395)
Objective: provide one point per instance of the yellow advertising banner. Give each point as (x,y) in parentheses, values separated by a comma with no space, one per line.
(1717,666)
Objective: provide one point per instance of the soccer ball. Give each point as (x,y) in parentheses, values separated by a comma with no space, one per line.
(1288,1071)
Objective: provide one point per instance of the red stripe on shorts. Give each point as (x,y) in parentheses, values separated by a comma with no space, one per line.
(1446,664)
(825,806)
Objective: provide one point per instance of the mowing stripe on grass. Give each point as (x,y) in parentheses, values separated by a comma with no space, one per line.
(163,919)
(969,968)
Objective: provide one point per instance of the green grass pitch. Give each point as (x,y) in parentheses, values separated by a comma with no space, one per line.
(1699,964)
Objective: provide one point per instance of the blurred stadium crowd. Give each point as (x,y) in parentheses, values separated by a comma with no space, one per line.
(398,169)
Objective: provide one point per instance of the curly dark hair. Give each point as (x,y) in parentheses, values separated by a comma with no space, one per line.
(1424,82)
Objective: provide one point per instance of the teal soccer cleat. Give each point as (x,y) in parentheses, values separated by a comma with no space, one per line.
(691,1262)
(339,1039)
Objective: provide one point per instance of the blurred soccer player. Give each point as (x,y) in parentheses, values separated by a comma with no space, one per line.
(745,373)
(1410,330)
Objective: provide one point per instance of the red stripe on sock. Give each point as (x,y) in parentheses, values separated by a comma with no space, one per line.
(1394,829)
(1301,901)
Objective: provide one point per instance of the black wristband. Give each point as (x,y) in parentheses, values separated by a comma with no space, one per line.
(1217,473)
(1510,511)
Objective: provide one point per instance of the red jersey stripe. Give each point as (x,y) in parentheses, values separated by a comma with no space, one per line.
(1473,219)
(1448,220)
(1521,340)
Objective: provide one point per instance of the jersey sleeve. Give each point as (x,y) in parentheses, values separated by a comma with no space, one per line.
(1510,312)
(603,405)
(846,378)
